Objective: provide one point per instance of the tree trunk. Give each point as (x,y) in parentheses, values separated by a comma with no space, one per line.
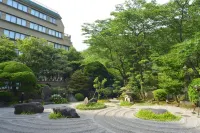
(176,97)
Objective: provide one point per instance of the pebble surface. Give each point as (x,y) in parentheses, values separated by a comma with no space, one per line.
(113,119)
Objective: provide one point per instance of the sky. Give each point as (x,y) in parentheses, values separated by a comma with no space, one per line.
(76,12)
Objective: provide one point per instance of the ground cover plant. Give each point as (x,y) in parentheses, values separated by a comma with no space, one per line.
(125,103)
(91,106)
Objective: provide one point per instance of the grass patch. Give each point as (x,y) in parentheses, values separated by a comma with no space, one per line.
(149,115)
(56,116)
(125,103)
(91,106)
(103,101)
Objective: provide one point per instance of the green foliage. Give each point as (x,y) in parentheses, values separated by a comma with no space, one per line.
(160,94)
(91,106)
(192,91)
(79,96)
(105,92)
(57,99)
(55,116)
(125,103)
(99,86)
(6,96)
(79,82)
(149,115)
(7,50)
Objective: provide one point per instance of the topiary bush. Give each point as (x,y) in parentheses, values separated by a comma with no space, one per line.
(5,96)
(160,94)
(192,91)
(57,99)
(79,96)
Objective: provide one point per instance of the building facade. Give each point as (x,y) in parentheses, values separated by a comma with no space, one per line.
(23,18)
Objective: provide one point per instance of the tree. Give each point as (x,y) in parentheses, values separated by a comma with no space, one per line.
(99,86)
(15,74)
(7,50)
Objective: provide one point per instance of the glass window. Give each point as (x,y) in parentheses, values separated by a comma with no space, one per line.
(35,27)
(32,12)
(19,21)
(53,33)
(37,13)
(40,28)
(20,7)
(45,17)
(31,25)
(9,2)
(25,9)
(60,36)
(14,4)
(44,29)
(13,19)
(49,31)
(22,36)
(54,21)
(8,17)
(12,35)
(17,36)
(6,33)
(56,34)
(50,19)
(23,22)
(41,15)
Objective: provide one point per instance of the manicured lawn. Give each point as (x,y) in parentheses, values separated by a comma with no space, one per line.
(149,115)
(91,106)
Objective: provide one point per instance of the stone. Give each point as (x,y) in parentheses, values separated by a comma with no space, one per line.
(34,107)
(128,98)
(93,100)
(46,93)
(156,111)
(85,101)
(66,111)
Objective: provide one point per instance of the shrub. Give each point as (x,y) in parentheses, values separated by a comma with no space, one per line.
(55,116)
(79,96)
(149,115)
(125,103)
(160,94)
(91,106)
(192,91)
(6,96)
(57,99)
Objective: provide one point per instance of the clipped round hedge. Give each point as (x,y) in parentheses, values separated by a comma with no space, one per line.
(91,106)
(160,94)
(149,115)
(79,96)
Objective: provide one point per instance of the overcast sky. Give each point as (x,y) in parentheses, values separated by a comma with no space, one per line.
(76,12)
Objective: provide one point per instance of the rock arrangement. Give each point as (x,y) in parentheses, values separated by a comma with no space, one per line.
(85,101)
(34,108)
(66,112)
(156,111)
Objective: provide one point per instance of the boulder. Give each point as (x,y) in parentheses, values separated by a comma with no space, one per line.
(156,111)
(66,111)
(34,107)
(85,101)
(93,100)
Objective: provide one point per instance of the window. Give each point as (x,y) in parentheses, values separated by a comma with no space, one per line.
(40,28)
(17,36)
(23,22)
(54,21)
(41,15)
(9,2)
(36,13)
(0,0)
(44,29)
(8,17)
(60,36)
(25,9)
(13,19)
(19,21)
(33,12)
(45,17)
(6,33)
(20,7)
(12,35)
(53,33)
(31,25)
(22,36)
(35,27)
(14,4)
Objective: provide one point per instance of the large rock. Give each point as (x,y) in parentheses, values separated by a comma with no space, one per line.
(156,111)
(93,100)
(34,107)
(85,101)
(66,111)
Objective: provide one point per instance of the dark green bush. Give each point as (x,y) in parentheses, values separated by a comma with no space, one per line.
(5,96)
(79,96)
(192,91)
(160,94)
(57,99)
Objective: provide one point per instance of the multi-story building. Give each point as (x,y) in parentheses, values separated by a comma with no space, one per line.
(22,18)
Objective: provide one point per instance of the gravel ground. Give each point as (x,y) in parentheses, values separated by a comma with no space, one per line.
(113,119)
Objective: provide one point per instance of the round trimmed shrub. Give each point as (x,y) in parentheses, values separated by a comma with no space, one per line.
(79,96)
(160,94)
(57,99)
